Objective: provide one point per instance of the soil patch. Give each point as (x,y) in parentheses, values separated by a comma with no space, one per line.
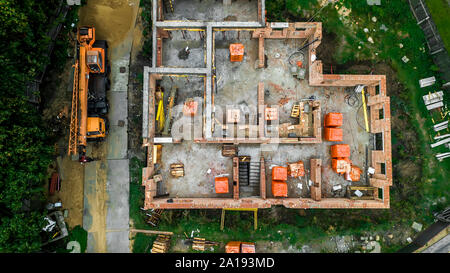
(107,16)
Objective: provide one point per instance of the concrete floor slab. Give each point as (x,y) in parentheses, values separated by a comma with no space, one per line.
(212,10)
(198,160)
(117,142)
(237,88)
(179,41)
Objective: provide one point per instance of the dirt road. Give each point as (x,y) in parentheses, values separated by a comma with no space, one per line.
(114,22)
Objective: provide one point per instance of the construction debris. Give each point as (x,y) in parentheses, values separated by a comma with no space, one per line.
(201,243)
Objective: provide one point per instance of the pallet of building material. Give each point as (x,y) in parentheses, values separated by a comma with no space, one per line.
(296,169)
(177,169)
(229,150)
(161,244)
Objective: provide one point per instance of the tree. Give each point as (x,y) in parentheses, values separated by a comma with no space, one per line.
(25,151)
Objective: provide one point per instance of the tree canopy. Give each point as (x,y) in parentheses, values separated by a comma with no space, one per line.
(25,151)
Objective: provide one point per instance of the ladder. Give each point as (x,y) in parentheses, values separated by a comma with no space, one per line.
(295,112)
(73,136)
(171,103)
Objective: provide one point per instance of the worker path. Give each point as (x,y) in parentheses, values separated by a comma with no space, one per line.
(106,212)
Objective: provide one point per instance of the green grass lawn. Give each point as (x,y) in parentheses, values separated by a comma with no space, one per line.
(440,11)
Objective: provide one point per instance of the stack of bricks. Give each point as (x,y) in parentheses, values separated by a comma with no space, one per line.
(332,123)
(279,178)
(340,162)
(161,244)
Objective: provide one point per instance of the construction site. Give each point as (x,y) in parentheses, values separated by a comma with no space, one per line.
(158,126)
(238,113)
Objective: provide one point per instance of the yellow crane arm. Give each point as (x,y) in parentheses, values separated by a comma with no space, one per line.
(73,136)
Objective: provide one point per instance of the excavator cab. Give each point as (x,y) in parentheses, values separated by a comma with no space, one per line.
(95,54)
(94,60)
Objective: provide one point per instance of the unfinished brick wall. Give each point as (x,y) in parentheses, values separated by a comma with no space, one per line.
(316,178)
(378,102)
(236,178)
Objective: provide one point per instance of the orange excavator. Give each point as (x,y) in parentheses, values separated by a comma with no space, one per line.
(88,120)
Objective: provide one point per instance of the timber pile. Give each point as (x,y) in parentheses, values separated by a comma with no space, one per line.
(161,244)
(177,169)
(201,243)
(229,150)
(154,216)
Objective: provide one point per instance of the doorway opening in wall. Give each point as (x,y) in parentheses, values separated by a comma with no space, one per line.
(380,193)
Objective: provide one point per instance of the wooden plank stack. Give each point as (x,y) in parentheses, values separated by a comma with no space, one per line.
(177,169)
(161,244)
(229,150)
(154,216)
(200,244)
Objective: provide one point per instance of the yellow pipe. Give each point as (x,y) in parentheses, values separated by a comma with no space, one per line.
(242,209)
(365,110)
